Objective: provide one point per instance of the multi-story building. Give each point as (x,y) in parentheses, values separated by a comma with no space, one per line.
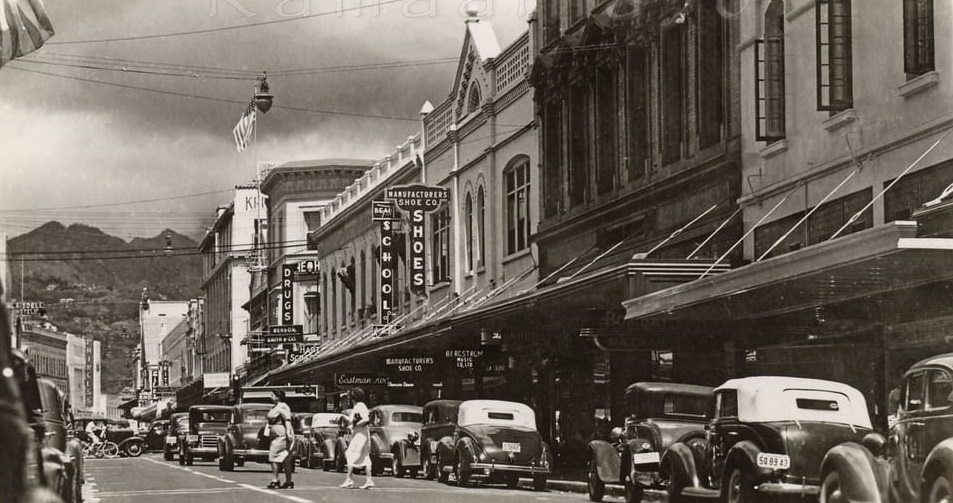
(45,346)
(227,244)
(156,320)
(846,131)
(84,368)
(479,147)
(178,355)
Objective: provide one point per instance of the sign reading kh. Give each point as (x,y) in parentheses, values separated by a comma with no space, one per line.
(417,200)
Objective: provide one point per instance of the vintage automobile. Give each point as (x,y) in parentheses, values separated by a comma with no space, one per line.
(440,423)
(206,423)
(916,464)
(62,454)
(395,439)
(319,432)
(497,441)
(240,441)
(767,438)
(178,425)
(341,442)
(657,414)
(118,431)
(155,434)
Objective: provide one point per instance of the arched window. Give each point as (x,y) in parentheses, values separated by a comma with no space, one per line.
(771,125)
(473,103)
(468,229)
(516,205)
(481,227)
(363,281)
(352,274)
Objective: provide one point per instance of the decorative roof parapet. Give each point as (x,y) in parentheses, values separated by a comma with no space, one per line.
(379,174)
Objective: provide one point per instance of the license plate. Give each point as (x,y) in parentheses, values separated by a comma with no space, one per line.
(170,440)
(192,438)
(643,458)
(511,446)
(777,461)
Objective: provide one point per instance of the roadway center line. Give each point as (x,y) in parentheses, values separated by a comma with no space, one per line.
(250,487)
(276,493)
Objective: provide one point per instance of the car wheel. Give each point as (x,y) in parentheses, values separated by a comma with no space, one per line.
(397,465)
(831,488)
(167,454)
(539,483)
(442,475)
(426,467)
(461,468)
(226,463)
(596,487)
(941,491)
(738,487)
(182,457)
(133,449)
(188,459)
(633,491)
(306,458)
(512,480)
(239,462)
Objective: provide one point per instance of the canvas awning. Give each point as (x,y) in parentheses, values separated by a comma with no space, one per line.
(854,273)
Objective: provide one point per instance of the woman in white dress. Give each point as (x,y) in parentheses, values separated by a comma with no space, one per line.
(358,453)
(282,440)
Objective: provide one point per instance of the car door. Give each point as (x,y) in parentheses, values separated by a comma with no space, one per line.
(908,431)
(936,418)
(721,432)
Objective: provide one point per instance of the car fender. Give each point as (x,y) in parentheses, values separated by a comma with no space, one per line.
(377,446)
(607,460)
(328,448)
(678,466)
(860,480)
(410,455)
(468,446)
(744,455)
(940,460)
(54,468)
(130,440)
(445,451)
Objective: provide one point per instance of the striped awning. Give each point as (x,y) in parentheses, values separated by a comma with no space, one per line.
(24,26)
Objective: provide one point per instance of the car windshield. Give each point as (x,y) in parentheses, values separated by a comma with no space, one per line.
(407,417)
(325,420)
(182,422)
(211,416)
(648,405)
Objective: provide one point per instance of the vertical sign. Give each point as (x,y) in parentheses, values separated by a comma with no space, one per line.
(417,200)
(385,213)
(154,376)
(287,293)
(165,374)
(418,273)
(88,364)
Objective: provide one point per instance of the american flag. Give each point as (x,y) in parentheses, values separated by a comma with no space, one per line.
(24,26)
(245,127)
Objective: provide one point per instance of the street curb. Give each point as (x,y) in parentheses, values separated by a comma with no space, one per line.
(573,486)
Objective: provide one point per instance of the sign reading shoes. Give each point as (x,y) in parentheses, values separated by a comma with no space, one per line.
(417,200)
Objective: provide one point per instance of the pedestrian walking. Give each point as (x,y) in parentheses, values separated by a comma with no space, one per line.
(282,441)
(358,453)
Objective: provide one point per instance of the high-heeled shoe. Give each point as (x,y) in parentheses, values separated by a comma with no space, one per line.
(347,484)
(274,484)
(288,485)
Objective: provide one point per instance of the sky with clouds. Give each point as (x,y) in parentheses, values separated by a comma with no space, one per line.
(69,143)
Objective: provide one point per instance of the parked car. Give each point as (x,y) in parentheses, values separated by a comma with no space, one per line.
(498,441)
(440,423)
(395,438)
(656,416)
(155,434)
(62,456)
(206,424)
(916,465)
(240,441)
(320,432)
(178,425)
(767,438)
(341,442)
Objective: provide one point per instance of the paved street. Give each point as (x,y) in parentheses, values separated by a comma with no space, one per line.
(149,479)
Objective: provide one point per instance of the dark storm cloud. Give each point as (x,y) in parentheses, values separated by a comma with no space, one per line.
(67,142)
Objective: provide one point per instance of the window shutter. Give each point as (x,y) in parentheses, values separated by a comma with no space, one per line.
(637,112)
(769,89)
(834,60)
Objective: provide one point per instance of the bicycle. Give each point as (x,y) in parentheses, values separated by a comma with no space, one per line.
(105,449)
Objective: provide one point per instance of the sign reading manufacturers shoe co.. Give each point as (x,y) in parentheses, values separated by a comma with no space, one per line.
(417,200)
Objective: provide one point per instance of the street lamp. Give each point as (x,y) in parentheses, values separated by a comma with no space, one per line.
(263,98)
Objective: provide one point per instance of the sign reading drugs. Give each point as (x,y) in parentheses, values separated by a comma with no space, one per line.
(417,197)
(287,293)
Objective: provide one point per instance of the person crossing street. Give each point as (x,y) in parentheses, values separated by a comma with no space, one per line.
(358,453)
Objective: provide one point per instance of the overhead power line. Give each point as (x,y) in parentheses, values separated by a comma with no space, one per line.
(212,98)
(124,203)
(342,10)
(227,249)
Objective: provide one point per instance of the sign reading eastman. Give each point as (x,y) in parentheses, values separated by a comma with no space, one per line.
(342,379)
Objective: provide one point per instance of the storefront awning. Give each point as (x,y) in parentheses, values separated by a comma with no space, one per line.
(865,265)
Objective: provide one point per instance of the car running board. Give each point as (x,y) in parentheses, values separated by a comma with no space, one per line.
(701,492)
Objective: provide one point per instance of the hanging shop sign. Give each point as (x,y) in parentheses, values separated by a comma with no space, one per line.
(216,380)
(284,334)
(307,267)
(464,359)
(417,200)
(88,365)
(383,211)
(164,381)
(287,293)
(387,272)
(349,379)
(29,308)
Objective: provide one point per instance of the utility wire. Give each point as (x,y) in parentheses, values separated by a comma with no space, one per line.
(360,6)
(226,249)
(125,203)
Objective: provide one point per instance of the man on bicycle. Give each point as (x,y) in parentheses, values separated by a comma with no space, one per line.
(94,429)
